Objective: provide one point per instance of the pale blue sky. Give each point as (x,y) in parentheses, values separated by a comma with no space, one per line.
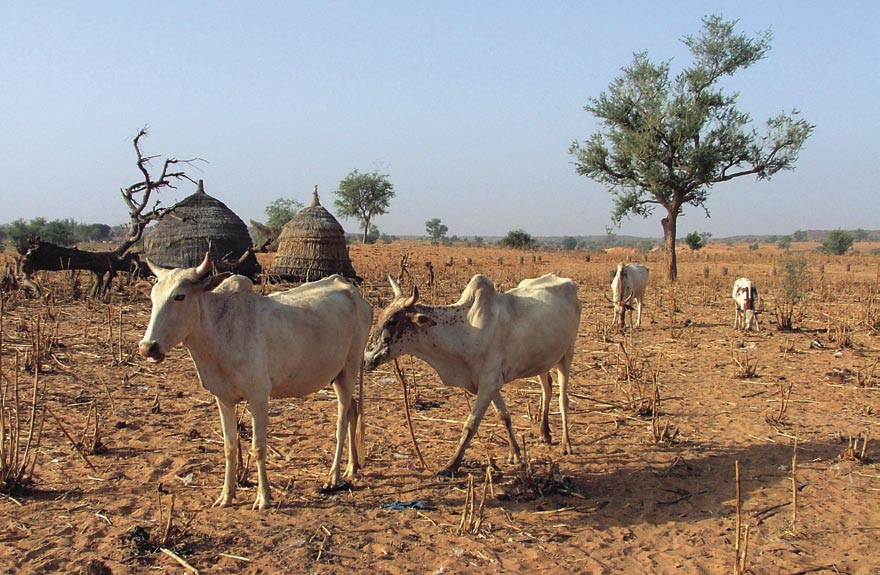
(469,107)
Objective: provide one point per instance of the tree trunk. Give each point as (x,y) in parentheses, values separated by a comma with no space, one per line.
(366,230)
(669,226)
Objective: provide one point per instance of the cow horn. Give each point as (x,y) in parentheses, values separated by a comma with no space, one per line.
(157,270)
(205,267)
(607,298)
(413,298)
(396,287)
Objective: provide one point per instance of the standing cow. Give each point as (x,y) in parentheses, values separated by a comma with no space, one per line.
(486,340)
(745,294)
(628,286)
(249,347)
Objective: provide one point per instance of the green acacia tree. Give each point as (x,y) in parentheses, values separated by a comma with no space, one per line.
(364,196)
(436,230)
(518,239)
(667,141)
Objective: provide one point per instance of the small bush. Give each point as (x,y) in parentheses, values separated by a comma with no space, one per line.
(795,280)
(837,243)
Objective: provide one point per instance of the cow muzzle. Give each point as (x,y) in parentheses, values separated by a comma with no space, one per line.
(150,350)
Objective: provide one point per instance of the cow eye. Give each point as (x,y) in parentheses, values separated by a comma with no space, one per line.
(180,297)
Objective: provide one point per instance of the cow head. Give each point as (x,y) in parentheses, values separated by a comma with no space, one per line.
(175,306)
(399,323)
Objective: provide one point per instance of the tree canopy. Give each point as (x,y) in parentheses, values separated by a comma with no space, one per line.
(666,141)
(364,196)
(436,230)
(518,239)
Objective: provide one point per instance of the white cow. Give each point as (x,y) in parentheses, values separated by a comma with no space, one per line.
(745,295)
(628,286)
(486,340)
(249,347)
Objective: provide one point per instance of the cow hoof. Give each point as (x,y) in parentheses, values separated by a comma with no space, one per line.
(223,501)
(261,504)
(329,488)
(447,472)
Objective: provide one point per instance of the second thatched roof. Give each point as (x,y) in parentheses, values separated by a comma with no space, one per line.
(311,246)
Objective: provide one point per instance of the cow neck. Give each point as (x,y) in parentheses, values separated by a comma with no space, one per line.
(205,335)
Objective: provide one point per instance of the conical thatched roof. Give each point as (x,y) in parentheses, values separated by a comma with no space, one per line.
(311,246)
(197,224)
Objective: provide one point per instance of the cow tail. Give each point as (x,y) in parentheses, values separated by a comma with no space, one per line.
(359,429)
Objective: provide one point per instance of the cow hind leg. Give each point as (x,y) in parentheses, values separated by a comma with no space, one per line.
(546,391)
(485,394)
(260,415)
(514,455)
(230,452)
(563,373)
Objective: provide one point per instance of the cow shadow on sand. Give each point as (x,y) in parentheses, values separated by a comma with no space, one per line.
(690,489)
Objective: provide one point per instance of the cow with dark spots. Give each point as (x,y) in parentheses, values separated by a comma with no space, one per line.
(485,340)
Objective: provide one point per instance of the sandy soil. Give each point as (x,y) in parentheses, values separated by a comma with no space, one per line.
(636,497)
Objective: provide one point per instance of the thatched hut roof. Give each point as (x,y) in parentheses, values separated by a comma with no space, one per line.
(198,223)
(311,246)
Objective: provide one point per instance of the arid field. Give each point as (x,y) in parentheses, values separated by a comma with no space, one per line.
(126,457)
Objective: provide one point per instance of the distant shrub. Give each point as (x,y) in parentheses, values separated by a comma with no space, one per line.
(696,240)
(837,243)
(784,242)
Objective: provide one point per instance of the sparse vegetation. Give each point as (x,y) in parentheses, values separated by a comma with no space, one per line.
(795,283)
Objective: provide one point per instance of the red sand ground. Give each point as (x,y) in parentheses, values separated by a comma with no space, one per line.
(622,503)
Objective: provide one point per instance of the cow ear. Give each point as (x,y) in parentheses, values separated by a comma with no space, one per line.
(211,282)
(422,320)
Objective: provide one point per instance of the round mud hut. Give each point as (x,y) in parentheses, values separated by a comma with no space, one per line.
(311,246)
(201,223)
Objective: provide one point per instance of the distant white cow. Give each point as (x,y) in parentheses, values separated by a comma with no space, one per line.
(628,286)
(248,347)
(745,294)
(486,340)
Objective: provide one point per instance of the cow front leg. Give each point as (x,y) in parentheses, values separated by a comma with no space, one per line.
(230,452)
(514,455)
(471,424)
(344,402)
(259,416)
(638,314)
(546,391)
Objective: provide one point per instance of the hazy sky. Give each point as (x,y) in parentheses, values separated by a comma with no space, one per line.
(469,107)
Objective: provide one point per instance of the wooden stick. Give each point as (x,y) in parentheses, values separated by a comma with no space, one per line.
(412,433)
(179,559)
(75,445)
(794,486)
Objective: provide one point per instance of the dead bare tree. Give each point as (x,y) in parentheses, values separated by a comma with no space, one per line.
(39,255)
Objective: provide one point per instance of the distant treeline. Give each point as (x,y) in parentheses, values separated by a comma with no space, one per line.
(60,232)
